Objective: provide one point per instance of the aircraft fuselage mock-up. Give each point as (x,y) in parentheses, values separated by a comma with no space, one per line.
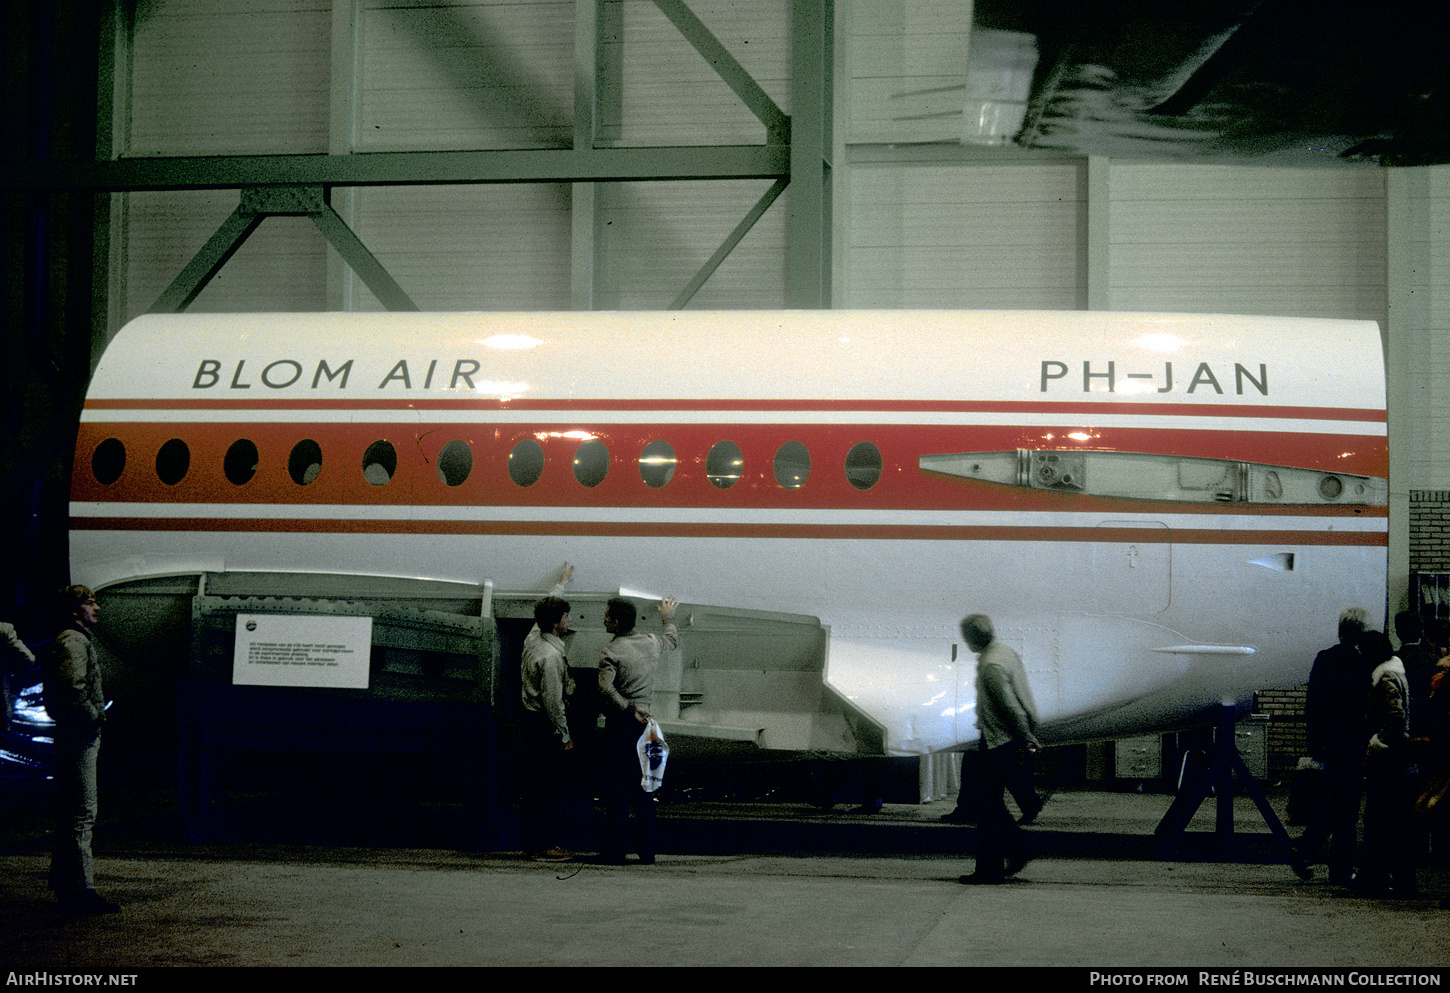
(1161,513)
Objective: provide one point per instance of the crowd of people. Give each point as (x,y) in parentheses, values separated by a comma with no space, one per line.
(1379,741)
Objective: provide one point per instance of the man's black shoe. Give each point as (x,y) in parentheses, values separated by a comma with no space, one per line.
(980,879)
(87,903)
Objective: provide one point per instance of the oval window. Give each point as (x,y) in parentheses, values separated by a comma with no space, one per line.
(304,464)
(724,465)
(526,462)
(657,463)
(863,465)
(108,461)
(455,463)
(240,463)
(792,465)
(379,462)
(591,462)
(173,461)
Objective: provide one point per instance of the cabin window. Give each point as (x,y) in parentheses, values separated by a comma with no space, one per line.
(455,463)
(173,461)
(379,462)
(863,465)
(108,461)
(240,463)
(304,464)
(724,465)
(591,462)
(526,462)
(657,463)
(792,465)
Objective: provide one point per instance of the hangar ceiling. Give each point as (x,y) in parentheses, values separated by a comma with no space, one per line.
(1336,82)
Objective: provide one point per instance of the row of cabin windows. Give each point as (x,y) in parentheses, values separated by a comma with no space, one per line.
(724,464)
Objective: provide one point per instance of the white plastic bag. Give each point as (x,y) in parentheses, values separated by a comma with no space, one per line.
(653,753)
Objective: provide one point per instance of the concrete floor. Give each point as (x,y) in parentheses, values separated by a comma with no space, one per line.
(881,890)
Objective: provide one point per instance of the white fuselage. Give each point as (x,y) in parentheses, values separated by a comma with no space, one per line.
(479,447)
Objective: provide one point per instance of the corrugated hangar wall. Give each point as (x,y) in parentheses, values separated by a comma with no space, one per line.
(234,77)
(918,219)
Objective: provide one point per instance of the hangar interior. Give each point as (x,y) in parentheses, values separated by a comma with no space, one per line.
(231,156)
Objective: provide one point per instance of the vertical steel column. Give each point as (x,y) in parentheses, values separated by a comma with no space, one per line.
(1095,251)
(583,243)
(341,291)
(1406,326)
(113,81)
(808,225)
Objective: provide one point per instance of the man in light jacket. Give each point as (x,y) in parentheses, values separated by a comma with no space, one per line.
(75,701)
(546,688)
(626,683)
(1007,720)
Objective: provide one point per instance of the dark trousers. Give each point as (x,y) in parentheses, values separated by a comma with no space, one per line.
(1336,818)
(623,793)
(1389,828)
(998,836)
(1019,783)
(546,787)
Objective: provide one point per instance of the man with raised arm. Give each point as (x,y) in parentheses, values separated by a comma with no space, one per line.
(626,683)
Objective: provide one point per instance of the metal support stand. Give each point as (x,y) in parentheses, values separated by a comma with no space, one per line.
(1216,776)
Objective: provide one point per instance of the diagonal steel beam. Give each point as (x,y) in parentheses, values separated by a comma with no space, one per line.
(255,207)
(207,262)
(741,230)
(777,123)
(362,261)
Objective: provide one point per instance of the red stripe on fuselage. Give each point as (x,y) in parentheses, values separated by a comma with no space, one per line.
(902,485)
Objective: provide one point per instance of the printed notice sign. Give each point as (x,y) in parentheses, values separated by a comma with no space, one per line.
(302,650)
